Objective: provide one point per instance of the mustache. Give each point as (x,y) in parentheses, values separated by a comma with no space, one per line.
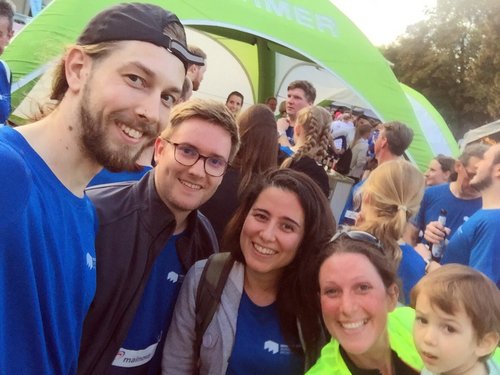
(148,128)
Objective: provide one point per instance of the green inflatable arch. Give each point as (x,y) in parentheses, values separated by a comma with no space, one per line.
(256,32)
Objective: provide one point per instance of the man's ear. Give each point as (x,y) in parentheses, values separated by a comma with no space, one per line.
(496,170)
(159,149)
(487,344)
(77,66)
(383,140)
(193,68)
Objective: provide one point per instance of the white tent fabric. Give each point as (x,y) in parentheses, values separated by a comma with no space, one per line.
(493,128)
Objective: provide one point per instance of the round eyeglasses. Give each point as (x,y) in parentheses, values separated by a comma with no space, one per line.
(188,155)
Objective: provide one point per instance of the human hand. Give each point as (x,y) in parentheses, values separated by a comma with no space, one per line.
(282,124)
(435,232)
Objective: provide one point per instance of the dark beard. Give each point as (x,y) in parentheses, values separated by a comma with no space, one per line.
(93,140)
(485,183)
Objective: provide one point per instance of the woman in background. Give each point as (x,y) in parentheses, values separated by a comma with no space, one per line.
(258,153)
(391,195)
(441,169)
(312,139)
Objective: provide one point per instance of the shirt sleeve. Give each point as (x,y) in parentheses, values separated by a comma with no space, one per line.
(458,248)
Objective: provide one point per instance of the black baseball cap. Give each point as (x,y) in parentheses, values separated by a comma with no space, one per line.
(137,21)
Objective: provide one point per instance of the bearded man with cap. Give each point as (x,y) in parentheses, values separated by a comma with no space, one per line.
(114,90)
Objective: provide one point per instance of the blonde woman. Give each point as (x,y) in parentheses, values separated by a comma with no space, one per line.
(391,196)
(312,139)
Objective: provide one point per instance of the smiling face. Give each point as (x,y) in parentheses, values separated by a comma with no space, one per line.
(272,231)
(126,100)
(234,103)
(355,303)
(185,188)
(435,174)
(447,343)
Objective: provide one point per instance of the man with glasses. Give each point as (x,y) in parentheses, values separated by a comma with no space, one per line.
(459,198)
(150,233)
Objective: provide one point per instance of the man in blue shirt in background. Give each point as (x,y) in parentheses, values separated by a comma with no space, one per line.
(475,242)
(459,198)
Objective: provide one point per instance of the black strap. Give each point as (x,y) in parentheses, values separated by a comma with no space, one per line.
(212,282)
(209,230)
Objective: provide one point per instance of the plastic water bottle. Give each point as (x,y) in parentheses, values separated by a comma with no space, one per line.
(438,248)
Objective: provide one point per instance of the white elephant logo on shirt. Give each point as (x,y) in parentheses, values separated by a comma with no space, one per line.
(271,346)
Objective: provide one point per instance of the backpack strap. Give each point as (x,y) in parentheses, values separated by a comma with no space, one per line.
(212,282)
(209,229)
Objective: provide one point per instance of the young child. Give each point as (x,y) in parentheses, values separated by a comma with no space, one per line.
(457,325)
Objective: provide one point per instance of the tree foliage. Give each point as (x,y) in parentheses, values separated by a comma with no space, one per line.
(453,58)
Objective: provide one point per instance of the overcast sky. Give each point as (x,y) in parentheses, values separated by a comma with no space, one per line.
(383,20)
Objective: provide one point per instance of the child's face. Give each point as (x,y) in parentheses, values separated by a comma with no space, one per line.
(448,344)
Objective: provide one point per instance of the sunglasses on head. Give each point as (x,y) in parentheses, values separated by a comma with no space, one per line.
(358,235)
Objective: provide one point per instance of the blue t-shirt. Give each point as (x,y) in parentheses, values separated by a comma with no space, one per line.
(438,197)
(47,263)
(259,346)
(347,216)
(411,269)
(141,351)
(4,93)
(107,177)
(476,244)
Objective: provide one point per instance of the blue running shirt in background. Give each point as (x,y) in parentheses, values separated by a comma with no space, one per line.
(440,196)
(411,269)
(475,244)
(259,346)
(5,107)
(141,351)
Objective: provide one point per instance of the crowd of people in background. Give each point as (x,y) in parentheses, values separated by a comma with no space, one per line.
(146,230)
